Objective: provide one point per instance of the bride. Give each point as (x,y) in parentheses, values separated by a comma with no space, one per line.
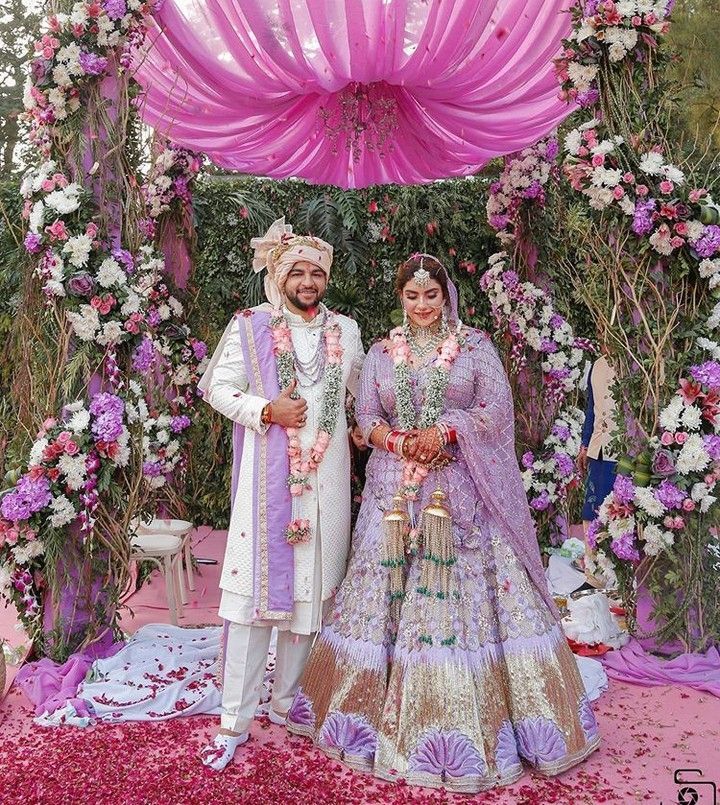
(443,663)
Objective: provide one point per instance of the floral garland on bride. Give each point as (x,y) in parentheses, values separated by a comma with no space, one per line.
(413,473)
(298,530)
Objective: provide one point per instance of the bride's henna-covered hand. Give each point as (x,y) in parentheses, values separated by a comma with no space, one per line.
(426,446)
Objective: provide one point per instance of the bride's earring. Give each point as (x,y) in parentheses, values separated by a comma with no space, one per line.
(405,317)
(444,318)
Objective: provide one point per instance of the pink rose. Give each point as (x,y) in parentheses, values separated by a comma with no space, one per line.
(64,437)
(618,192)
(688,504)
(681,437)
(667,438)
(72,448)
(696,195)
(666,186)
(641,190)
(681,228)
(628,178)
(598,160)
(677,242)
(679,522)
(48,185)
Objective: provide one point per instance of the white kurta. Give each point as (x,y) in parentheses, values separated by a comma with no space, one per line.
(319,564)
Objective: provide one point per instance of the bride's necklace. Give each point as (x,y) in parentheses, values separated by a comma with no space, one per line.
(424,341)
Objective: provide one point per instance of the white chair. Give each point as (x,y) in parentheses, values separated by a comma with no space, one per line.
(182,529)
(164,550)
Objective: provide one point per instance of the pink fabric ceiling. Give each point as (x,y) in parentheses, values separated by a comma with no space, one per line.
(354,92)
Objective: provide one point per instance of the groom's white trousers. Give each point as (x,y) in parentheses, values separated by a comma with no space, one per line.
(246,654)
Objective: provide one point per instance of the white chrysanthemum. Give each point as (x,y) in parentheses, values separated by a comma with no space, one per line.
(162,436)
(646,500)
(172,448)
(656,540)
(620,525)
(674,174)
(707,267)
(651,163)
(4,578)
(37,217)
(73,468)
(86,323)
(63,512)
(164,312)
(692,417)
(176,306)
(111,273)
(600,197)
(24,554)
(78,248)
(36,451)
(692,457)
(112,332)
(29,101)
(582,75)
(79,421)
(61,76)
(661,242)
(714,319)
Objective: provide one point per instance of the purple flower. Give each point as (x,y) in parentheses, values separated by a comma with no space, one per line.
(551,150)
(179,423)
(559,374)
(511,279)
(91,63)
(587,719)
(506,754)
(446,754)
(81,285)
(624,547)
(350,734)
(556,321)
(564,463)
(533,190)
(115,9)
(107,410)
(39,68)
(124,257)
(144,356)
(663,464)
(152,317)
(561,432)
(707,373)
(642,219)
(593,529)
(541,502)
(29,496)
(199,349)
(499,221)
(540,740)
(548,345)
(33,242)
(669,495)
(301,711)
(181,188)
(495,188)
(624,489)
(147,228)
(708,243)
(152,469)
(711,442)
(588,97)
(527,460)
(591,7)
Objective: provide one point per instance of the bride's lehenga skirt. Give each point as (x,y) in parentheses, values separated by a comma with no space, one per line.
(461,690)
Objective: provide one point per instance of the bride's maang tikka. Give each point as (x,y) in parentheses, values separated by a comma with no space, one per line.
(422,275)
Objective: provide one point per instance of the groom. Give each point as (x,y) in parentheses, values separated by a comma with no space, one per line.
(279,373)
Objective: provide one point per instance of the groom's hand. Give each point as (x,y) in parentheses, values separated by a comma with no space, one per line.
(286,411)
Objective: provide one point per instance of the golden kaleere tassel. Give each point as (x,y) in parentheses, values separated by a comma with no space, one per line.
(396,524)
(438,548)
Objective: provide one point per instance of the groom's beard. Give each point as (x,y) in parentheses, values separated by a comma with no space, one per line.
(304,304)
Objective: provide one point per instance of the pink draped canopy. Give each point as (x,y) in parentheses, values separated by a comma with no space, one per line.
(354,92)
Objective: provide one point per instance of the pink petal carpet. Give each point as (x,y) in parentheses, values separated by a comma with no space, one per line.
(648,733)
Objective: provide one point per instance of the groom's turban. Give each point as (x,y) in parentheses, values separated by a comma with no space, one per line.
(278,250)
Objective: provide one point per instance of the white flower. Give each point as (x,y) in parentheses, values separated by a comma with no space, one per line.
(64,201)
(674,174)
(692,457)
(24,554)
(646,500)
(670,415)
(692,417)
(61,76)
(651,163)
(131,304)
(112,331)
(4,577)
(79,421)
(661,242)
(162,436)
(29,101)
(707,267)
(656,539)
(695,229)
(177,307)
(37,451)
(73,468)
(86,323)
(78,247)
(172,448)
(37,217)
(63,512)
(616,52)
(111,273)
(164,312)
(581,75)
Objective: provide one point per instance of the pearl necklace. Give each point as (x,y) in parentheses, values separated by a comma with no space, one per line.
(424,341)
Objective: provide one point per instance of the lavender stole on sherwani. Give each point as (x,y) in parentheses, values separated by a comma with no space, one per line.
(274,569)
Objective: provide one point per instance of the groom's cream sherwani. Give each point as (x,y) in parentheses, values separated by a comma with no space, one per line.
(320,564)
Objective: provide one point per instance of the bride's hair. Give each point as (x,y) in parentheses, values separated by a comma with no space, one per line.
(432,265)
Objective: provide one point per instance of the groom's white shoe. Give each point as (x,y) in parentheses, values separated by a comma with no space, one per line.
(276,718)
(220,752)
